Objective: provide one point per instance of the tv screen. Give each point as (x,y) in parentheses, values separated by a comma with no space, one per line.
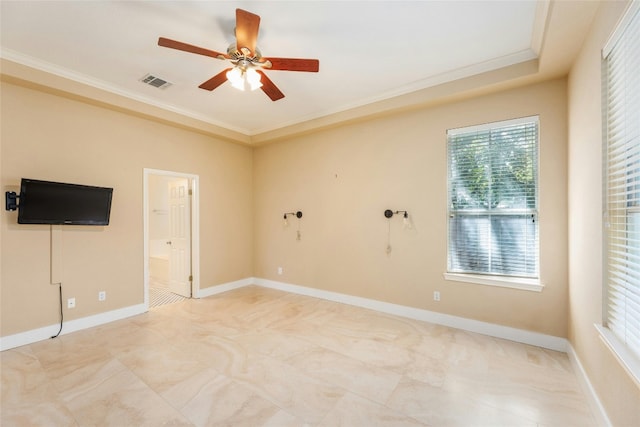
(45,202)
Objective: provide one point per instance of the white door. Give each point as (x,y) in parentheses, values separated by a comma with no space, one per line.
(180,240)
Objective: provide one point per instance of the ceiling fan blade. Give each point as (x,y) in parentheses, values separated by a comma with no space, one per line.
(269,87)
(292,64)
(173,44)
(247,25)
(215,81)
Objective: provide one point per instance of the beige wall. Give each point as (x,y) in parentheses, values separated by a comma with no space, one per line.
(620,396)
(343,179)
(53,138)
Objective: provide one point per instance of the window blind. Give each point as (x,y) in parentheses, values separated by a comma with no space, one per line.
(621,72)
(493,199)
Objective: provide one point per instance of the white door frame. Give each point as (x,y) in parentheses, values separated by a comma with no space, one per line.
(195,228)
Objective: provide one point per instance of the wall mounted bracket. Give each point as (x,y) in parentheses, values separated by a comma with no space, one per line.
(11,200)
(389,213)
(297,214)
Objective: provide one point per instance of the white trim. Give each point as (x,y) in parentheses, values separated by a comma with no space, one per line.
(488,279)
(85,79)
(195,228)
(540,25)
(621,26)
(498,331)
(195,235)
(503,282)
(491,329)
(40,334)
(488,126)
(218,289)
(592,397)
(626,358)
(444,77)
(145,237)
(435,80)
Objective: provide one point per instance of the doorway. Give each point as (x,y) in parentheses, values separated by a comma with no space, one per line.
(171,246)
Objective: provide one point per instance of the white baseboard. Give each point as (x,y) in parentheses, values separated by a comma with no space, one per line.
(491,329)
(213,290)
(40,334)
(44,333)
(594,402)
(498,331)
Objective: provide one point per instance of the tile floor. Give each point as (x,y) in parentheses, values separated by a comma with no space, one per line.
(261,357)
(159,294)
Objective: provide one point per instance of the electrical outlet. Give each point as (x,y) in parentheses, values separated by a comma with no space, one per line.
(71,303)
(436,295)
(280,271)
(102,295)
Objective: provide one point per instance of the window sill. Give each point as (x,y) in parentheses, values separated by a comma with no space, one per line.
(533,285)
(628,360)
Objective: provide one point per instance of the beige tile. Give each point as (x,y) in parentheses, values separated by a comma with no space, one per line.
(425,368)
(282,419)
(545,396)
(28,397)
(23,377)
(306,397)
(440,407)
(45,413)
(86,377)
(368,381)
(65,354)
(180,394)
(221,401)
(274,343)
(262,357)
(353,410)
(117,336)
(121,400)
(160,365)
(220,353)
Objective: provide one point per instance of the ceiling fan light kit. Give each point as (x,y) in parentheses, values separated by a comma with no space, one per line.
(246,58)
(242,76)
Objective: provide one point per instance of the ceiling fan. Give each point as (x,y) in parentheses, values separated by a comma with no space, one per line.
(248,62)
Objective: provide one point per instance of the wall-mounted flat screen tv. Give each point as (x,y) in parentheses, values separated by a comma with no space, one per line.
(45,202)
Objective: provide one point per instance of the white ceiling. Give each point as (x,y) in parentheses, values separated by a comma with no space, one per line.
(368,50)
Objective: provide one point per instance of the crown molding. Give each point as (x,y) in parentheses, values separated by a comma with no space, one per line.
(46,75)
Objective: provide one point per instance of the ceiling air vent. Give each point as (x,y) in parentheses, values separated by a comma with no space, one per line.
(155,81)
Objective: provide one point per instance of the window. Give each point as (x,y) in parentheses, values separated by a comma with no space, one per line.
(493,199)
(621,125)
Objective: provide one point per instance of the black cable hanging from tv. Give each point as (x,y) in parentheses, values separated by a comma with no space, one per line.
(61,315)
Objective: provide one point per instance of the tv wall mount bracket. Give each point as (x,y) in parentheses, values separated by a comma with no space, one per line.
(11,200)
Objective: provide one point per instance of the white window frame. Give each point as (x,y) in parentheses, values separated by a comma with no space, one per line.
(514,282)
(626,356)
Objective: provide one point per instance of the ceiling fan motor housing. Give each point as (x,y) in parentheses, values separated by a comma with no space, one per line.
(243,53)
